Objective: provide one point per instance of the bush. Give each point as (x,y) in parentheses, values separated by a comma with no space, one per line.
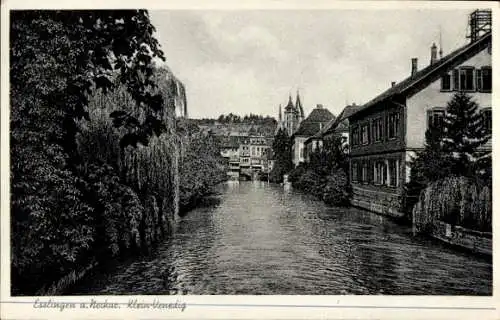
(309,182)
(454,200)
(336,190)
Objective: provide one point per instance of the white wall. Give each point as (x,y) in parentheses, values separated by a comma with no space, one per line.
(431,96)
(298,144)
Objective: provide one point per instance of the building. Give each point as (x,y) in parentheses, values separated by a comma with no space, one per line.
(230,151)
(315,122)
(292,117)
(387,131)
(338,126)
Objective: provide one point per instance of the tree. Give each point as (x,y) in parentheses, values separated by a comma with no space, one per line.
(463,133)
(61,56)
(453,148)
(331,157)
(282,150)
(58,59)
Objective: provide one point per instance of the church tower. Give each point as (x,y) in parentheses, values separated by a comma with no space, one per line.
(300,110)
(290,117)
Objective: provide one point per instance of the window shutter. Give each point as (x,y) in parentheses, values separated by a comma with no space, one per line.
(479,80)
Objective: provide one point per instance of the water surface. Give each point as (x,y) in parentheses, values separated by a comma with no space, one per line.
(262,239)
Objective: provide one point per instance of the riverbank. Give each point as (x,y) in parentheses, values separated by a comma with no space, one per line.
(474,241)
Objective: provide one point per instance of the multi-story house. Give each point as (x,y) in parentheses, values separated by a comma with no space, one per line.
(386,132)
(314,123)
(338,126)
(259,147)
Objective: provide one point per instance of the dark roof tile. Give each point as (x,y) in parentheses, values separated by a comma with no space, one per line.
(314,122)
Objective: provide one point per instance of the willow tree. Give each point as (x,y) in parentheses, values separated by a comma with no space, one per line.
(57,59)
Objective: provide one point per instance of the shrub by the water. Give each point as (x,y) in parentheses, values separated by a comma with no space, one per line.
(324,176)
(336,192)
(456,200)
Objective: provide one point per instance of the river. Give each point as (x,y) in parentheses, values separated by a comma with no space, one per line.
(263,239)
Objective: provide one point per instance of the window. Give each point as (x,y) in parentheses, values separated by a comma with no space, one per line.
(393,125)
(377,129)
(466,75)
(487,120)
(393,173)
(364,172)
(435,118)
(302,152)
(446,82)
(455,80)
(379,172)
(483,79)
(355,135)
(365,139)
(354,172)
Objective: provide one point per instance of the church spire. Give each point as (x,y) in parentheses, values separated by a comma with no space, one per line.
(298,105)
(289,107)
(280,114)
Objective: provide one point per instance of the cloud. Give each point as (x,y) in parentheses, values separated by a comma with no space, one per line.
(249,61)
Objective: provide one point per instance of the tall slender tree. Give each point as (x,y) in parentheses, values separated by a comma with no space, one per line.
(282,151)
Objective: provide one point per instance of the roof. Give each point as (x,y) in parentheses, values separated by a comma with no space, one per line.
(298,106)
(289,106)
(232,142)
(429,73)
(338,124)
(314,122)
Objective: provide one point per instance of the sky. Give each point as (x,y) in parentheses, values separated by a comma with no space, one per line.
(250,61)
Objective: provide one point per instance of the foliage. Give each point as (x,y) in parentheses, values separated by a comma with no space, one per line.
(247,119)
(61,55)
(463,133)
(201,165)
(331,157)
(282,151)
(52,225)
(336,190)
(118,210)
(70,199)
(455,200)
(452,150)
(325,175)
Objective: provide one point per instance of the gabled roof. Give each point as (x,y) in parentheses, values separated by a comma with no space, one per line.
(314,122)
(430,73)
(338,124)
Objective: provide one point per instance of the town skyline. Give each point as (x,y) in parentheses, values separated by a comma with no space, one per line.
(245,62)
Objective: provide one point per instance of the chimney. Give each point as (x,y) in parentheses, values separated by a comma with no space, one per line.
(319,106)
(393,83)
(414,67)
(433,53)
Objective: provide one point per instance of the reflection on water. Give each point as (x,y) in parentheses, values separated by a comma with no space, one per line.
(264,239)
